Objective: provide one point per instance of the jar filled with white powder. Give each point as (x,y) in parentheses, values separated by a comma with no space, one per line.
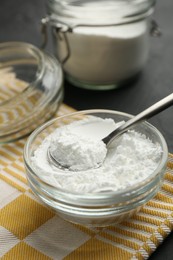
(87,192)
(101,44)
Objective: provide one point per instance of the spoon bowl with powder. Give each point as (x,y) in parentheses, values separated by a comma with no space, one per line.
(75,153)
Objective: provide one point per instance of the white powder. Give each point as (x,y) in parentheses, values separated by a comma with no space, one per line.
(106,55)
(77,152)
(129,160)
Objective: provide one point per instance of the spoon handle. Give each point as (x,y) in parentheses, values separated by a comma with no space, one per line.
(146,114)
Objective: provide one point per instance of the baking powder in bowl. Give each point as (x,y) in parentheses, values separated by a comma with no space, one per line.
(129,160)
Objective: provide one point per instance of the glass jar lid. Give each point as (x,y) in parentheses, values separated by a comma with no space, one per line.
(88,12)
(30,89)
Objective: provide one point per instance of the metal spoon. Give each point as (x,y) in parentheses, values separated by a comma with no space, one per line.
(146,114)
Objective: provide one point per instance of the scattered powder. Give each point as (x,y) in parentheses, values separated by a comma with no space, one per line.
(129,160)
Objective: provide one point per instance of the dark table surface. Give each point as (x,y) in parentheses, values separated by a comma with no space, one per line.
(20,21)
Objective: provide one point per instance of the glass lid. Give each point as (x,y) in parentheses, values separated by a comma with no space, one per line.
(30,89)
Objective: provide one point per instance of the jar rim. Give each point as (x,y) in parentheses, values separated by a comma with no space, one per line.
(91,197)
(113,12)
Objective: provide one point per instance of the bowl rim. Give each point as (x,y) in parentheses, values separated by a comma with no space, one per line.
(101,195)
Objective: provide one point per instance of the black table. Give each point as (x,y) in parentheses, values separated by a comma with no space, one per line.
(20,21)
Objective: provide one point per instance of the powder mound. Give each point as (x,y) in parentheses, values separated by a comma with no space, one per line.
(129,160)
(77,152)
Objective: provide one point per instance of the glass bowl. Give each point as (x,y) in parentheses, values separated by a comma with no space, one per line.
(93,209)
(30,89)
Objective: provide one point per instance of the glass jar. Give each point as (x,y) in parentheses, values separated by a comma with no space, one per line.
(101,44)
(30,89)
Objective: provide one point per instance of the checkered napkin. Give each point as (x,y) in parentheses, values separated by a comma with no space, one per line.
(29,230)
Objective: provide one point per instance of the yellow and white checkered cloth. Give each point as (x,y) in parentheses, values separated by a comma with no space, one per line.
(30,231)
